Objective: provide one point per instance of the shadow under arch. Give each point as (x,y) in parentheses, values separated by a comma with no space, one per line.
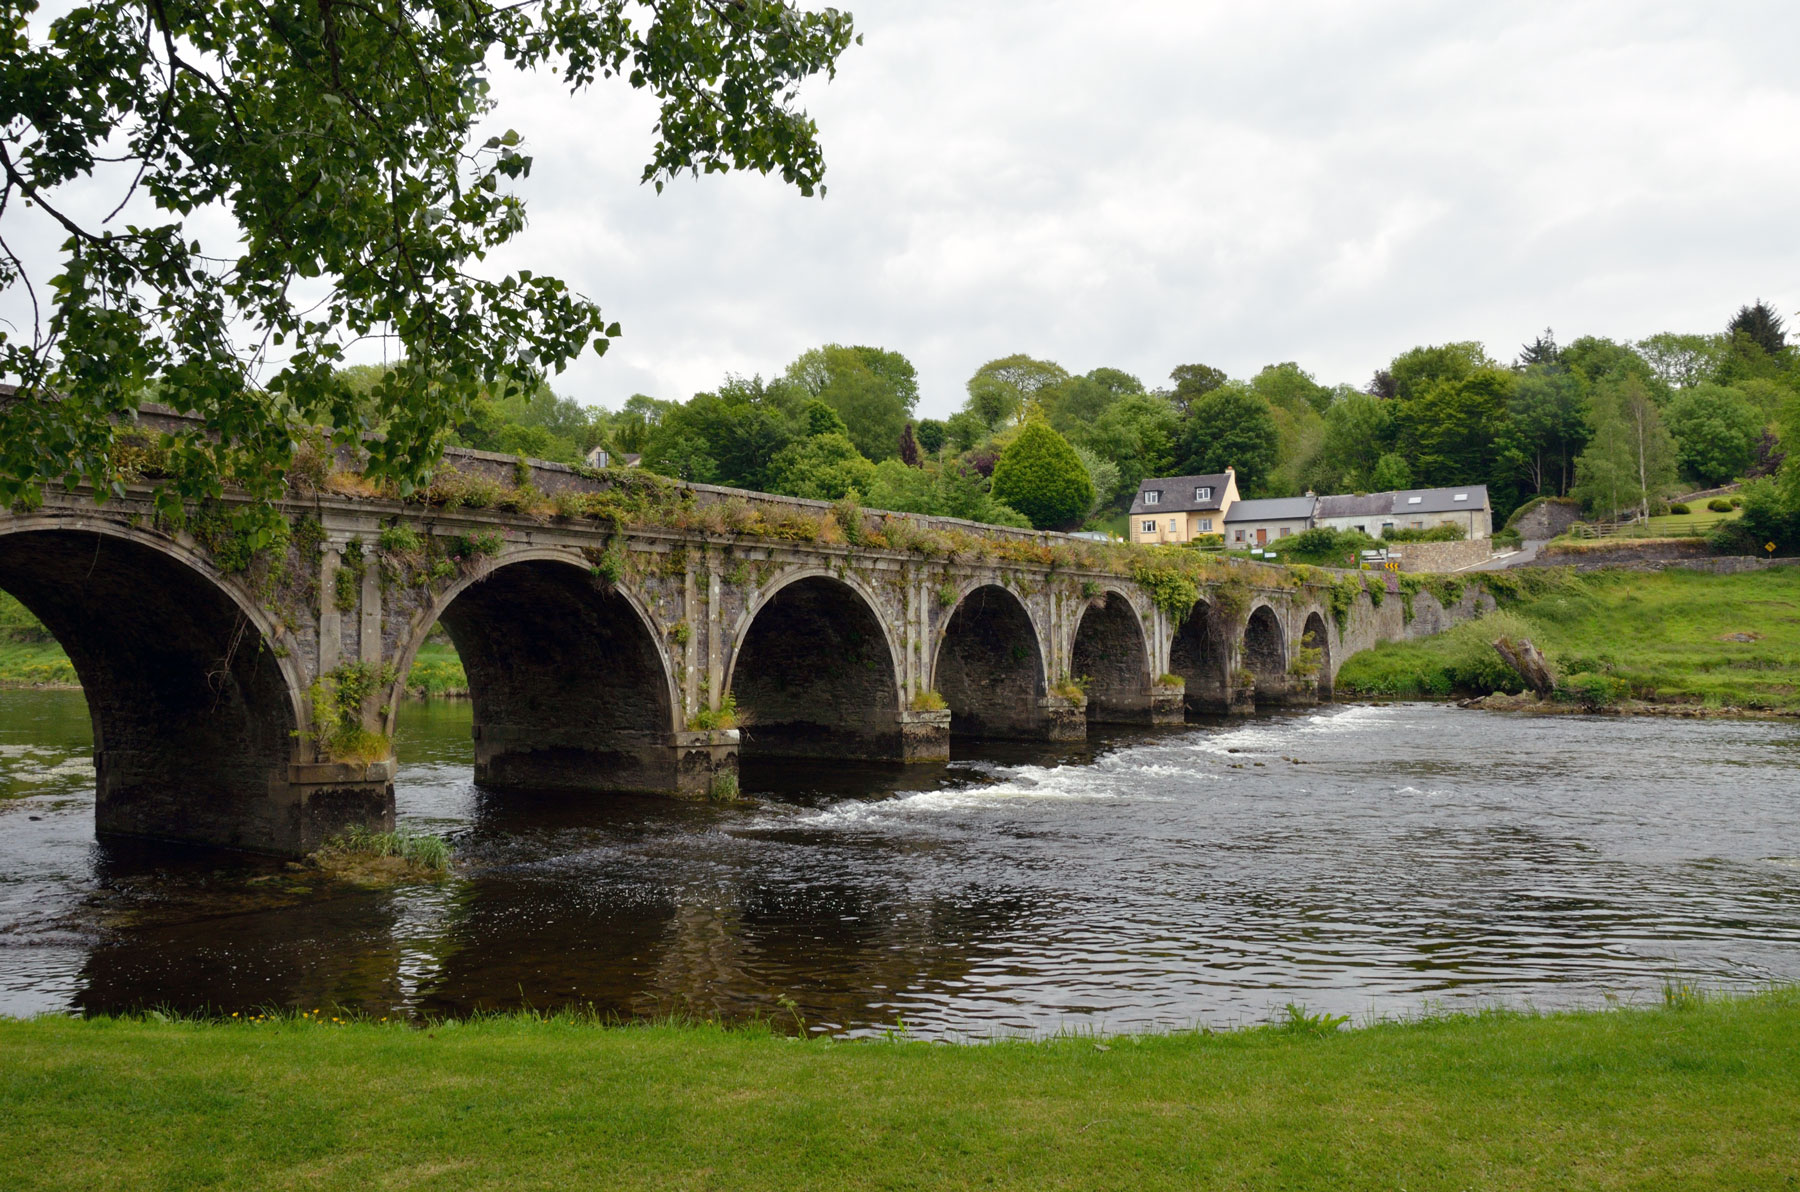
(571,690)
(814,674)
(1112,656)
(1316,635)
(1200,656)
(197,719)
(990,667)
(1265,654)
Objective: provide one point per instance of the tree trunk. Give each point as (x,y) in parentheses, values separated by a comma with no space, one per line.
(1525,658)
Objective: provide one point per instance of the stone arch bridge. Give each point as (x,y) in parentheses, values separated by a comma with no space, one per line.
(247,700)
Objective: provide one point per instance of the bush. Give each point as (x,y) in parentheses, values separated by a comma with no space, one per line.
(1679,509)
(1444,533)
(1719,505)
(1041,477)
(1737,502)
(1592,691)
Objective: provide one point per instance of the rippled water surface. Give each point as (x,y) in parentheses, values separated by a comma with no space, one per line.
(1362,860)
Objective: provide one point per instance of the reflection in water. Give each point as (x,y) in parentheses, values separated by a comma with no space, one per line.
(1358,859)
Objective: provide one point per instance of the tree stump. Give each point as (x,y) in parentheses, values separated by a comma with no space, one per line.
(1528,661)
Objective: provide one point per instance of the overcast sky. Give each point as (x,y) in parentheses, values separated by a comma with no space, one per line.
(1146,184)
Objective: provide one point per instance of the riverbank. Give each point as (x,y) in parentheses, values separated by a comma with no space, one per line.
(1618,640)
(1701,1093)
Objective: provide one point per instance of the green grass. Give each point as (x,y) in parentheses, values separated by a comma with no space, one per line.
(1663,634)
(437,671)
(1693,524)
(1702,1095)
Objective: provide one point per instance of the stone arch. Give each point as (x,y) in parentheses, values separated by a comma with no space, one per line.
(1201,656)
(1265,654)
(990,666)
(571,686)
(814,673)
(199,709)
(1316,634)
(1112,656)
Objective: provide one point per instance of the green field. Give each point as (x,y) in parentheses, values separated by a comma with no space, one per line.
(1704,1094)
(1671,636)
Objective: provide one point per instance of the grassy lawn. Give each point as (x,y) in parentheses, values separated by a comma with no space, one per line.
(1669,635)
(1695,523)
(1704,1095)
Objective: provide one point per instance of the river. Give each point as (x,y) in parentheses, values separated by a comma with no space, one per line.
(1363,860)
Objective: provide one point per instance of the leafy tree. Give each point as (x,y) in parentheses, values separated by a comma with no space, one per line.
(1040,475)
(1382,385)
(1391,474)
(1358,428)
(932,436)
(1138,434)
(949,490)
(683,456)
(824,467)
(821,419)
(1102,473)
(329,146)
(1716,432)
(1545,429)
(1448,429)
(1598,361)
(1680,360)
(1001,391)
(1232,427)
(1762,325)
(874,390)
(964,429)
(1629,460)
(1411,372)
(1288,386)
(1074,404)
(1193,382)
(743,426)
(637,420)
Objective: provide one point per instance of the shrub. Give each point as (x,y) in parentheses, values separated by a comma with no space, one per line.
(1679,508)
(1444,533)
(399,539)
(1041,477)
(1737,502)
(1719,505)
(1592,691)
(928,701)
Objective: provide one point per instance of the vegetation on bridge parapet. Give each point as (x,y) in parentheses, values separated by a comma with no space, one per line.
(338,699)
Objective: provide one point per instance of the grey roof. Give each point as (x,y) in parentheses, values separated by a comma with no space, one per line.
(1441,500)
(1392,504)
(1271,509)
(1178,494)
(1358,505)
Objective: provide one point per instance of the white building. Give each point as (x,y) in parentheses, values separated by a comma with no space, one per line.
(1409,509)
(1259,522)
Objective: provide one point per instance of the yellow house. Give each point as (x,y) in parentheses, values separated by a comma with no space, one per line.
(1180,508)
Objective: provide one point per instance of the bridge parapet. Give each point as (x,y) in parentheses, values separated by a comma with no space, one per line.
(623,633)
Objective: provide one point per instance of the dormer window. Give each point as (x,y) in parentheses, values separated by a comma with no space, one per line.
(1203,494)
(1152,496)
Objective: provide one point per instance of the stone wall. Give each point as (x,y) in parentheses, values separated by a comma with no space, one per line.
(1442,556)
(1624,552)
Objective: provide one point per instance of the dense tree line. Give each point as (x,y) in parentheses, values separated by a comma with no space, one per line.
(1617,425)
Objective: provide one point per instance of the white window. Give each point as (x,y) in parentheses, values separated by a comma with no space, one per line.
(1150,525)
(1152,496)
(1172,525)
(1415,500)
(1203,494)
(1206,525)
(1460,497)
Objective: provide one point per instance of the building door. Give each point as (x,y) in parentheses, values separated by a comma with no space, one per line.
(1262,537)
